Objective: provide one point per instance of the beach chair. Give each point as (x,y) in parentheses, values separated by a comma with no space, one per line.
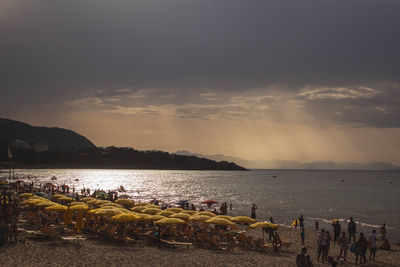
(259,244)
(286,243)
(174,244)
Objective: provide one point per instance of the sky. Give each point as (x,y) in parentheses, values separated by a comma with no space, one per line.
(310,80)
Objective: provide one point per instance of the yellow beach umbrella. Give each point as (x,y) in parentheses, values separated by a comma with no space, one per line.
(25,195)
(93,211)
(199,218)
(182,216)
(125,217)
(92,201)
(174,209)
(224,217)
(108,213)
(263,225)
(31,201)
(66,199)
(78,203)
(170,221)
(334,220)
(125,201)
(141,204)
(86,199)
(221,221)
(58,196)
(166,213)
(144,216)
(190,212)
(111,205)
(79,207)
(57,208)
(155,217)
(44,204)
(153,206)
(243,219)
(207,213)
(138,208)
(151,211)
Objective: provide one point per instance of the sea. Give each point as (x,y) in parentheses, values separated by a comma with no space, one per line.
(370,197)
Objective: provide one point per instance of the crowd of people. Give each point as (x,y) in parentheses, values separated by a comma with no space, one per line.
(345,241)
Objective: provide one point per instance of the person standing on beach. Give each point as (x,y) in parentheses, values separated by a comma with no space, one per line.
(383,231)
(343,243)
(362,249)
(301,258)
(372,245)
(316,226)
(328,244)
(301,221)
(322,245)
(337,229)
(302,236)
(253,211)
(352,229)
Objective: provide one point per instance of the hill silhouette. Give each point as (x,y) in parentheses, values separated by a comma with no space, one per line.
(67,149)
(55,138)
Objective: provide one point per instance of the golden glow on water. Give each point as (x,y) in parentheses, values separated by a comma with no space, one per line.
(284,197)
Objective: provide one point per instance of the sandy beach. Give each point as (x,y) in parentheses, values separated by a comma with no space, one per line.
(96,252)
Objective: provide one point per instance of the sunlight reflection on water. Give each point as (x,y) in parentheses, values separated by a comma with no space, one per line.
(366,196)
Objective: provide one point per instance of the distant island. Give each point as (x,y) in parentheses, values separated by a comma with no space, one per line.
(296,165)
(42,147)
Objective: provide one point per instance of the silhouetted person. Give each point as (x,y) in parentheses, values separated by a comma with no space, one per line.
(301,258)
(253,211)
(301,221)
(352,229)
(361,246)
(372,245)
(343,243)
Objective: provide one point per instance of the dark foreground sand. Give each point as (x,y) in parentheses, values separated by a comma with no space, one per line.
(95,252)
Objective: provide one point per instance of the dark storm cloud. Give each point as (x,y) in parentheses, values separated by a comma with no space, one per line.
(67,50)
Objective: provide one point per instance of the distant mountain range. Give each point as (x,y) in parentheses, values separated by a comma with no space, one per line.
(23,134)
(285,164)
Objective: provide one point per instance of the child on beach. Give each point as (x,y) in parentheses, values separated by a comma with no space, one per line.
(302,236)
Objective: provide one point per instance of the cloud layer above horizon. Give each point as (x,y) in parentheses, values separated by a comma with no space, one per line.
(313,66)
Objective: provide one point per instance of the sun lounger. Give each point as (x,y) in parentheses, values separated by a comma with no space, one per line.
(175,244)
(286,243)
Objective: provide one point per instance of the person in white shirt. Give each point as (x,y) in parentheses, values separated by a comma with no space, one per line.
(372,245)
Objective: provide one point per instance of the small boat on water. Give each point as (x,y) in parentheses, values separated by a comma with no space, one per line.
(53,178)
(76,180)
